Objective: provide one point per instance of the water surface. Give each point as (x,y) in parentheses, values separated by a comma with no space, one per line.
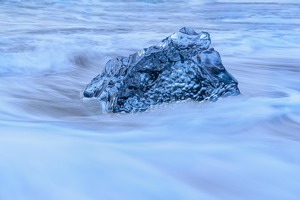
(56,145)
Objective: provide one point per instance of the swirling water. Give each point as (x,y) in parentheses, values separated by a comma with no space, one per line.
(54,144)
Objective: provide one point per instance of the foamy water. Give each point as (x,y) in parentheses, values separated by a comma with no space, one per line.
(56,145)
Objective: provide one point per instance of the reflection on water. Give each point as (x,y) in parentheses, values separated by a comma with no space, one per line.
(56,145)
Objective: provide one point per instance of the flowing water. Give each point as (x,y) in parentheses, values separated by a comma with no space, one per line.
(56,145)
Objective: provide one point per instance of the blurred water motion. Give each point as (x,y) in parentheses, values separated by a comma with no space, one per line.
(56,145)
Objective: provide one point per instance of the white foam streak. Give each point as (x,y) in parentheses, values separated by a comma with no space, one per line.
(56,145)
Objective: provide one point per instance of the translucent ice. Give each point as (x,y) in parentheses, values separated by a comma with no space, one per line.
(181,67)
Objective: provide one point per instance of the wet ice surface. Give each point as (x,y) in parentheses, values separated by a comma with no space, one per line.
(56,145)
(180,67)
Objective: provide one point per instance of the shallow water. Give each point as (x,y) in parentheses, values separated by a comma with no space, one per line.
(56,145)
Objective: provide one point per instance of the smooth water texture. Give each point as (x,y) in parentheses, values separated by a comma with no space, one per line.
(55,144)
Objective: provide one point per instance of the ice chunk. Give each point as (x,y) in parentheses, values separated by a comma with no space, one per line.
(181,67)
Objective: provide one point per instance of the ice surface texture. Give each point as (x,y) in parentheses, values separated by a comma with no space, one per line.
(181,67)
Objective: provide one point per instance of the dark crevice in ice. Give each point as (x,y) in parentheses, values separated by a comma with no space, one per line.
(181,67)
